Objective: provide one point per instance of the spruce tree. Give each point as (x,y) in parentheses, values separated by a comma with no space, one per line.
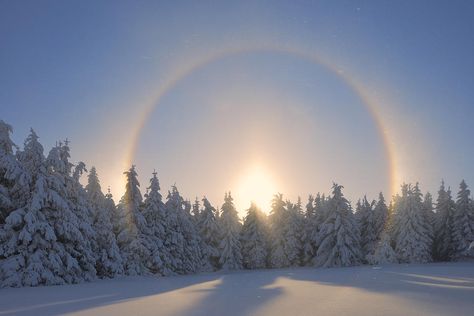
(443,225)
(278,218)
(13,179)
(70,215)
(384,253)
(254,239)
(132,227)
(30,253)
(109,260)
(155,216)
(292,231)
(79,204)
(367,222)
(340,244)
(196,211)
(192,256)
(229,246)
(381,213)
(463,222)
(182,239)
(413,243)
(210,234)
(308,230)
(429,216)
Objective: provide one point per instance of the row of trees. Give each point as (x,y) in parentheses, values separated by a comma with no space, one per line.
(54,230)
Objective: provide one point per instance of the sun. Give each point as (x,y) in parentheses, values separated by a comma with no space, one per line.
(255,185)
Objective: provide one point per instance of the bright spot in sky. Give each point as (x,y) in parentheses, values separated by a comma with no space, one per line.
(255,185)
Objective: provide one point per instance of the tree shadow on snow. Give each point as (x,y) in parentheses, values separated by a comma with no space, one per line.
(438,284)
(238,293)
(58,300)
(245,292)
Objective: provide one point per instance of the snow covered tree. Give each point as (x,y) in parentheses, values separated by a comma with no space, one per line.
(76,213)
(429,216)
(192,256)
(210,234)
(463,222)
(254,239)
(229,246)
(30,254)
(44,240)
(470,251)
(384,253)
(292,232)
(308,230)
(196,211)
(413,243)
(109,260)
(13,180)
(182,240)
(381,213)
(339,235)
(278,217)
(155,215)
(367,222)
(131,238)
(443,225)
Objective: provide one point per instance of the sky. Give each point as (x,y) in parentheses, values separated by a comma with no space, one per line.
(253,97)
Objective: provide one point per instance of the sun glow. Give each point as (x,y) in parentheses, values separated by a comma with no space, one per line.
(255,185)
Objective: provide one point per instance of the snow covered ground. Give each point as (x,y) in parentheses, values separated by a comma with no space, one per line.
(430,289)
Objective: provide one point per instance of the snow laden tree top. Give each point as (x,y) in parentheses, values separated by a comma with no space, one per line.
(109,260)
(13,179)
(367,221)
(133,227)
(413,242)
(210,234)
(155,216)
(278,218)
(254,239)
(229,246)
(340,245)
(463,222)
(443,225)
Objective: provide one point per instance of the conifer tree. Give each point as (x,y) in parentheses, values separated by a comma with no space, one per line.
(29,252)
(196,211)
(254,239)
(13,180)
(109,260)
(292,232)
(70,214)
(384,253)
(131,232)
(413,243)
(463,222)
(278,218)
(443,225)
(210,234)
(80,205)
(155,216)
(192,256)
(381,213)
(308,230)
(182,239)
(229,246)
(428,215)
(340,245)
(367,222)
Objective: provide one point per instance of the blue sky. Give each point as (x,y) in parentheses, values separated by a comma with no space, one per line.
(84,71)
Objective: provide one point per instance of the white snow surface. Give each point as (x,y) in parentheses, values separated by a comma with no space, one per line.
(406,289)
